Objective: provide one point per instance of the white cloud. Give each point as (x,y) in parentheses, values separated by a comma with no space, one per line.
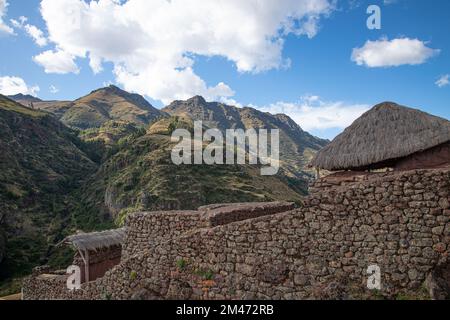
(53,89)
(4,28)
(231,102)
(16,85)
(443,81)
(312,113)
(393,53)
(152,44)
(37,35)
(107,83)
(34,32)
(57,61)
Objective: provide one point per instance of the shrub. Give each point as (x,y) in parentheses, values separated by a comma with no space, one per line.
(205,275)
(181,264)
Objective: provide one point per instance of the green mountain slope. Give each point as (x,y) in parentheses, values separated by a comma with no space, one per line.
(41,163)
(111,132)
(141,176)
(297,147)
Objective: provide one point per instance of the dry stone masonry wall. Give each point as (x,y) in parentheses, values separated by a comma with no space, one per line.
(397,221)
(146,229)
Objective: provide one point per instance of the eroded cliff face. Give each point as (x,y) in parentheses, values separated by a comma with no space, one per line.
(398,222)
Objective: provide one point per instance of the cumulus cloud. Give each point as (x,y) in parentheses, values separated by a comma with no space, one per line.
(231,102)
(60,62)
(4,28)
(34,32)
(37,35)
(393,53)
(312,113)
(153,44)
(443,81)
(19,23)
(16,85)
(53,89)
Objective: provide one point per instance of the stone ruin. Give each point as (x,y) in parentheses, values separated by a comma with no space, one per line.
(397,221)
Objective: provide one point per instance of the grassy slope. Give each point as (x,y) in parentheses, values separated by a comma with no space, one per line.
(297,147)
(42,162)
(141,176)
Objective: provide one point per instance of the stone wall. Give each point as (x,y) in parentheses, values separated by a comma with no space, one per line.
(397,221)
(146,229)
(218,215)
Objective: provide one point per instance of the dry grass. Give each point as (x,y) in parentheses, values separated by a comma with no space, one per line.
(97,240)
(388,131)
(14,297)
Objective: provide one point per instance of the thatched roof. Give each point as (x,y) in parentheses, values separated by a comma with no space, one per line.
(388,131)
(97,240)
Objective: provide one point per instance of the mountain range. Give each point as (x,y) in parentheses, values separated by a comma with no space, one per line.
(97,108)
(85,164)
(297,147)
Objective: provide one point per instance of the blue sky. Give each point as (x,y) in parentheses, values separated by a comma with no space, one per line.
(309,73)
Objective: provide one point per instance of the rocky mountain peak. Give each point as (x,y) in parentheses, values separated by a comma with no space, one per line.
(24,99)
(197,100)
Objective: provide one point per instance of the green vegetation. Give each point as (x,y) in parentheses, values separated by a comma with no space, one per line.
(42,165)
(107,296)
(297,147)
(112,132)
(421,294)
(10,286)
(166,126)
(181,264)
(141,176)
(205,274)
(9,105)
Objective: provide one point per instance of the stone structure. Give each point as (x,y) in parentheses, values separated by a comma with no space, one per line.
(96,252)
(398,221)
(389,136)
(438,156)
(100,261)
